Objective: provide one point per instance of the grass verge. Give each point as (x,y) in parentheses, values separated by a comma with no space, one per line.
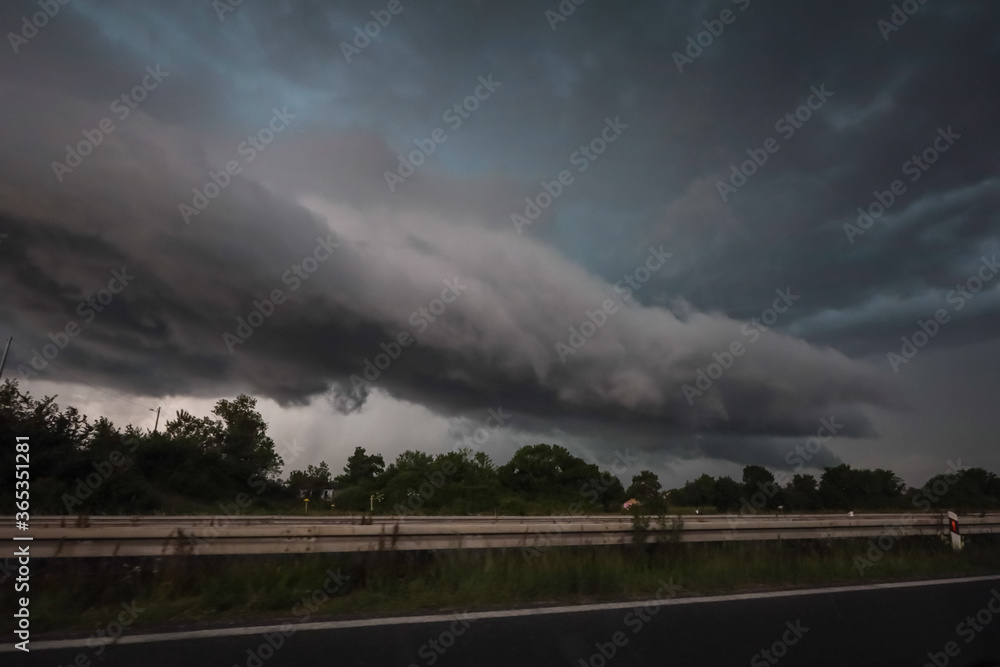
(80,596)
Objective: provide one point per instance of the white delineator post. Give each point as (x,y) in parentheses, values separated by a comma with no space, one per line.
(956,537)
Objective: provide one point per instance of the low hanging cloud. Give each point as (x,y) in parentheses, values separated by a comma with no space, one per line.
(429,307)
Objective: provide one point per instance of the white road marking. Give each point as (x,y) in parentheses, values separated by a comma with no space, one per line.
(509,613)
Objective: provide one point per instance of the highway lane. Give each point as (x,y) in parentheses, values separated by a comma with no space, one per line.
(895,624)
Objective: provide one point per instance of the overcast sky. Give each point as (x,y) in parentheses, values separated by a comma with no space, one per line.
(621,225)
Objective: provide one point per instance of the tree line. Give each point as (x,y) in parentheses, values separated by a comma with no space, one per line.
(196,464)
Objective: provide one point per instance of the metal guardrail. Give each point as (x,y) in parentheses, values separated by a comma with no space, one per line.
(62,537)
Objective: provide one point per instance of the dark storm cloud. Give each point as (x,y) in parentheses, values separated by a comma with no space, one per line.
(323,178)
(496,340)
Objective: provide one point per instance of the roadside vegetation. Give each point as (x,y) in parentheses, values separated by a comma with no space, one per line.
(227,462)
(211,465)
(83,594)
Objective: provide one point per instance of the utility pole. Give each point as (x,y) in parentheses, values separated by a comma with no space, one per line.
(5,350)
(157,419)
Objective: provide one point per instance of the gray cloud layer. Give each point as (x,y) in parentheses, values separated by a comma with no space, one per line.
(656,185)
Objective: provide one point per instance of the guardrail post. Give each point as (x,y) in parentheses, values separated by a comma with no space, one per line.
(956,537)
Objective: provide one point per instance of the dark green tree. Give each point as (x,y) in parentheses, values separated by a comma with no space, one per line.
(698,492)
(608,489)
(543,468)
(845,488)
(726,493)
(243,439)
(759,484)
(973,488)
(802,494)
(645,487)
(361,468)
(312,480)
(836,487)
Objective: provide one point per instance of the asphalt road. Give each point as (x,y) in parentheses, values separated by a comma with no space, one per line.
(894,625)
